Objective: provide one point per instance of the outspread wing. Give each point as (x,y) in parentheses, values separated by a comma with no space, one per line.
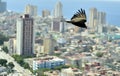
(79,16)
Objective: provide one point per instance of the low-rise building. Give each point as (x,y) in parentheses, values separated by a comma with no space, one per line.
(47,62)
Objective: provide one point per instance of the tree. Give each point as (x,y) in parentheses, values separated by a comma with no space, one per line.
(26,66)
(3,62)
(99,54)
(3,38)
(5,49)
(11,65)
(19,59)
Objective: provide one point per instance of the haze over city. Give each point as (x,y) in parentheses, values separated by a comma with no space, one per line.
(111,7)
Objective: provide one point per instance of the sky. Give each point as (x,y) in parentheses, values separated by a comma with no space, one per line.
(111,7)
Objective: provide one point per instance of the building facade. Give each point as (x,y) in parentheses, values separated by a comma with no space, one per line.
(3,6)
(25,35)
(12,46)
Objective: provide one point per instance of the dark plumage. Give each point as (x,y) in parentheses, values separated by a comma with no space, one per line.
(79,19)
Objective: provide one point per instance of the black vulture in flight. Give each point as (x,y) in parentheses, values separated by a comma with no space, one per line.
(79,19)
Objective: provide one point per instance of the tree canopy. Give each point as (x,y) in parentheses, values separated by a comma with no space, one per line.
(3,62)
(3,38)
(11,65)
(5,49)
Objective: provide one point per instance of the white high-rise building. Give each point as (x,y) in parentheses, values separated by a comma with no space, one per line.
(58,10)
(3,6)
(31,10)
(93,18)
(25,36)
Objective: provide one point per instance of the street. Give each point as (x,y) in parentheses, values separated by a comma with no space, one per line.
(18,68)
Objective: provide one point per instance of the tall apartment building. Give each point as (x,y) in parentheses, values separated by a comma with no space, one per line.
(58,25)
(3,6)
(49,44)
(101,17)
(31,10)
(93,18)
(58,10)
(25,35)
(96,19)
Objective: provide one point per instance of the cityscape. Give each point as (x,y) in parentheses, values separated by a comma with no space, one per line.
(46,45)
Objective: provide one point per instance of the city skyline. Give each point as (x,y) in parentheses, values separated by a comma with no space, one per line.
(112,13)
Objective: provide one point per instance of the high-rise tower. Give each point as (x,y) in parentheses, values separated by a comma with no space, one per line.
(3,6)
(25,35)
(93,18)
(58,10)
(101,16)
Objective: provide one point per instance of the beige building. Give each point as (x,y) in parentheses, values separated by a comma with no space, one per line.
(45,13)
(31,10)
(49,44)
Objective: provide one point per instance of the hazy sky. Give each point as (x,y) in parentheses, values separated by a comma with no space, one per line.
(111,7)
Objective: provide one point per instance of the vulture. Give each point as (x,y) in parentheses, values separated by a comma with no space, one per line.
(79,19)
